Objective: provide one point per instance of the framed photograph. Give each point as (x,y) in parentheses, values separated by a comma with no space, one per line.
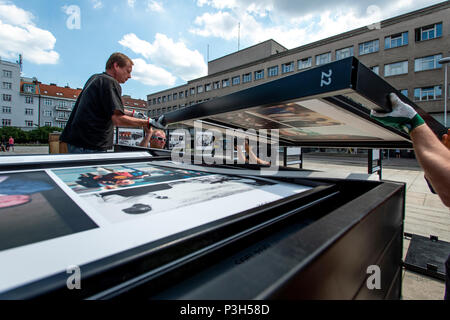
(325,106)
(86,216)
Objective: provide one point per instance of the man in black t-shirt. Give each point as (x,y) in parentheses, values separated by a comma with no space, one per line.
(99,108)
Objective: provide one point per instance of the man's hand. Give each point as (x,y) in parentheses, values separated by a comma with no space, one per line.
(160,123)
(402,116)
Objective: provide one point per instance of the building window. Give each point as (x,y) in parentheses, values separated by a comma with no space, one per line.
(6,97)
(369,47)
(48,113)
(28,123)
(29,112)
(404,92)
(428,93)
(6,122)
(29,99)
(48,124)
(287,67)
(323,58)
(375,69)
(7,74)
(259,74)
(159,100)
(48,102)
(164,99)
(7,85)
(304,63)
(199,89)
(192,91)
(181,94)
(154,100)
(6,109)
(216,85)
(169,97)
(273,71)
(208,87)
(163,110)
(427,63)
(344,53)
(247,77)
(225,83)
(396,68)
(429,32)
(396,40)
(28,88)
(175,96)
(236,80)
(169,109)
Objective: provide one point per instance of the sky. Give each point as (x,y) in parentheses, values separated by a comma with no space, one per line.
(170,42)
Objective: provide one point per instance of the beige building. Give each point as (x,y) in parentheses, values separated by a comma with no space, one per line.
(404,50)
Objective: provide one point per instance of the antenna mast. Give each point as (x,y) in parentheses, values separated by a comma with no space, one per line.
(239,35)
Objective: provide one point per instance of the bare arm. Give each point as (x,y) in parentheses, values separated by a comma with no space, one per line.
(123,120)
(253,158)
(146,140)
(434,157)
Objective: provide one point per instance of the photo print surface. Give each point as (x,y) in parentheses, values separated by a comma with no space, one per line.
(33,208)
(308,120)
(103,178)
(206,193)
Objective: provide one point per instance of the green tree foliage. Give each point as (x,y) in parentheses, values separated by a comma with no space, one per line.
(38,135)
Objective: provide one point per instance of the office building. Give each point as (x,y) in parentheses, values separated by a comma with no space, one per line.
(404,50)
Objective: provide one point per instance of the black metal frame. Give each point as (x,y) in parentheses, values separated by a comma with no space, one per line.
(348,77)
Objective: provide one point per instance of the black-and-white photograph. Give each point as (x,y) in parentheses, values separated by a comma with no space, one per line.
(211,191)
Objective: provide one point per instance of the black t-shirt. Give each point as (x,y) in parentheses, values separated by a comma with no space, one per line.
(90,125)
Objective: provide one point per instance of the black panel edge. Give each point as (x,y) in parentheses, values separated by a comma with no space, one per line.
(379,94)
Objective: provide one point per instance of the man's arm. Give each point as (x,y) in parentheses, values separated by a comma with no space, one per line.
(434,157)
(122,120)
(146,140)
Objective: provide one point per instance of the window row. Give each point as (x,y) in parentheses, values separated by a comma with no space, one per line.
(7,123)
(6,109)
(7,85)
(425,93)
(401,67)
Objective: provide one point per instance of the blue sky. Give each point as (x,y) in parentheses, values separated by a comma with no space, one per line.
(65,41)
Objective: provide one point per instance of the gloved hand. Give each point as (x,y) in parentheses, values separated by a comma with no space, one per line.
(158,124)
(139,115)
(402,116)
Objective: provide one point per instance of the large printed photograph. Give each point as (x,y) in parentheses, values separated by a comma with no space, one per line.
(103,178)
(33,208)
(310,120)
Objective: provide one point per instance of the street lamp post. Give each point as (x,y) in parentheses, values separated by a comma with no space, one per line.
(445,61)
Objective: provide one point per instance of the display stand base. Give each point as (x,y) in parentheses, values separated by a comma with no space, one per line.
(427,256)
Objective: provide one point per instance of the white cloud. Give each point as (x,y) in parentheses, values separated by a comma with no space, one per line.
(131,3)
(97,4)
(294,23)
(173,56)
(150,74)
(155,6)
(19,35)
(221,25)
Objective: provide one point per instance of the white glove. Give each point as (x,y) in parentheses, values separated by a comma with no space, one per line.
(402,116)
